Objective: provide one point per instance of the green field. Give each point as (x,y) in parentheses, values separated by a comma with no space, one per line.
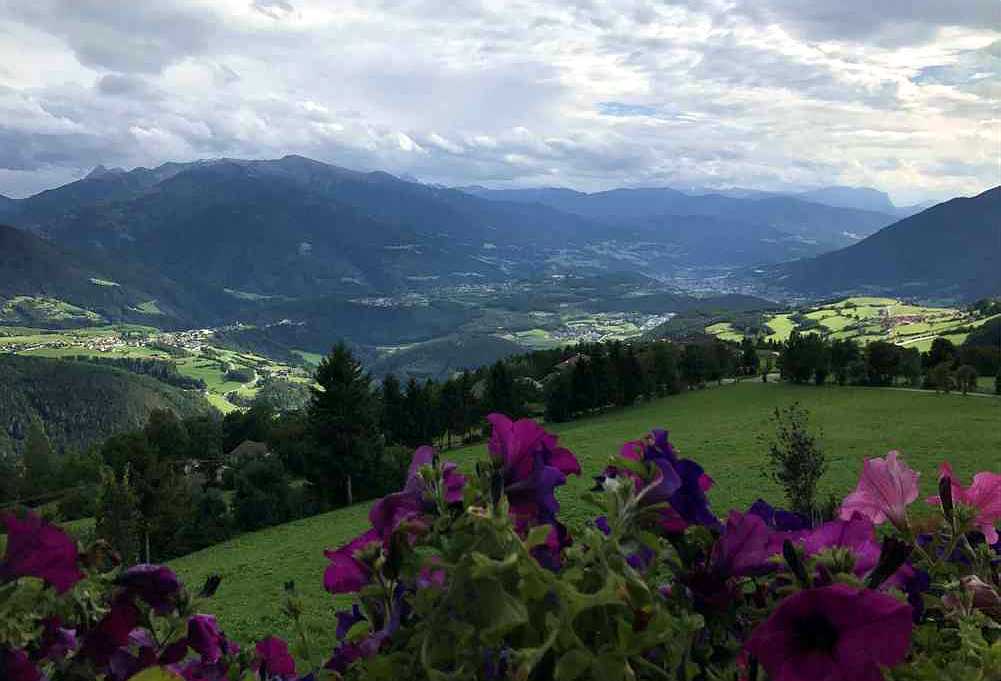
(719,427)
(864,320)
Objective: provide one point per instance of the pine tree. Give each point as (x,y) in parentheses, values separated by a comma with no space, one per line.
(345,424)
(392,419)
(39,466)
(117,517)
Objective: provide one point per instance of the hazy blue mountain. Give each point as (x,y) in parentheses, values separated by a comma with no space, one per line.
(830,226)
(862,198)
(951,251)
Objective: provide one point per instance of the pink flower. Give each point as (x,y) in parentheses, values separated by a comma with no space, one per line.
(984,495)
(834,633)
(884,490)
(36,548)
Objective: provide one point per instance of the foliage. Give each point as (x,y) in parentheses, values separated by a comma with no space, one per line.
(262,494)
(475,578)
(796,461)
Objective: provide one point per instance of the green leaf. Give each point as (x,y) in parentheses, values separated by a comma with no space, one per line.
(537,536)
(573,664)
(156,674)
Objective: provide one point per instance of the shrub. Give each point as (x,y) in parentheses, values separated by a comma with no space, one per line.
(796,461)
(262,495)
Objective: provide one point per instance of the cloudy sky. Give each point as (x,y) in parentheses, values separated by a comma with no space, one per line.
(901,95)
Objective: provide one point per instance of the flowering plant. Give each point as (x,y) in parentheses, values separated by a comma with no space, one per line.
(475,577)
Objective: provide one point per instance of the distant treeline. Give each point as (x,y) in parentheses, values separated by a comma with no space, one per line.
(160,369)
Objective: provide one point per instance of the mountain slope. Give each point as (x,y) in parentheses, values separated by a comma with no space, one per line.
(116,291)
(951,251)
(834,225)
(80,403)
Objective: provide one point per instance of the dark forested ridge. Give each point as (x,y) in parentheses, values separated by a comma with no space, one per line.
(81,403)
(950,251)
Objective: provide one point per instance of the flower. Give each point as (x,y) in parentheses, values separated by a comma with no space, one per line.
(111,633)
(347,619)
(16,666)
(156,585)
(532,465)
(56,641)
(36,548)
(884,490)
(779,519)
(275,659)
(858,534)
(347,574)
(984,495)
(835,633)
(409,505)
(745,548)
(205,638)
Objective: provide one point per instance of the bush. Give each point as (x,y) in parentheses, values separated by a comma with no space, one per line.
(262,494)
(796,461)
(79,502)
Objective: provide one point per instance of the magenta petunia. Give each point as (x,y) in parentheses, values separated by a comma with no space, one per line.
(36,548)
(205,637)
(275,660)
(15,665)
(111,633)
(834,633)
(156,585)
(984,495)
(746,547)
(347,574)
(885,489)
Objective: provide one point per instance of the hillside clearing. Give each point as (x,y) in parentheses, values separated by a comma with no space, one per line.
(718,427)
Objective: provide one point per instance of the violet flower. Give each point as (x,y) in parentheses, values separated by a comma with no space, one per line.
(205,637)
(347,574)
(111,633)
(885,489)
(984,495)
(835,633)
(156,585)
(37,548)
(275,660)
(16,666)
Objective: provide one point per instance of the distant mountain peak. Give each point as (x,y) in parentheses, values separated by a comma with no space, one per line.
(100,171)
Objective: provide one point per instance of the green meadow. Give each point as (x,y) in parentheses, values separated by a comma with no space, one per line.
(720,427)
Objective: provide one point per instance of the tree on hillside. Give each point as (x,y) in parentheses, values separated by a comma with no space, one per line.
(345,425)
(843,353)
(909,366)
(39,465)
(942,378)
(117,519)
(881,362)
(942,350)
(501,394)
(693,365)
(262,495)
(391,403)
(749,359)
(966,378)
(167,434)
(11,481)
(559,396)
(665,368)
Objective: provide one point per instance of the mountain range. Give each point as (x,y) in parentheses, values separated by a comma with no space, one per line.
(277,242)
(949,252)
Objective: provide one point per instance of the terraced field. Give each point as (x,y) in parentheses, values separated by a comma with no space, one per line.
(866,319)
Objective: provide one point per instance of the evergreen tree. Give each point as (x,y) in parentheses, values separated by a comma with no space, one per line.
(451,408)
(693,365)
(559,396)
(39,465)
(167,434)
(345,423)
(392,417)
(117,519)
(501,392)
(749,359)
(665,368)
(843,353)
(11,481)
(630,377)
(881,361)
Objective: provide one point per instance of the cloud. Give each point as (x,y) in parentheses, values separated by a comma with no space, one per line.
(592,94)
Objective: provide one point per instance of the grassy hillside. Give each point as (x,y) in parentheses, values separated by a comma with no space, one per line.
(719,427)
(80,403)
(863,319)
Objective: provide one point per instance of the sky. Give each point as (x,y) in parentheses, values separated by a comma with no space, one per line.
(900,95)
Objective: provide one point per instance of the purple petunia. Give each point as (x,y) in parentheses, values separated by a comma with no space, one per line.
(274,658)
(205,638)
(532,465)
(682,483)
(835,633)
(347,574)
(16,666)
(156,585)
(413,501)
(37,548)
